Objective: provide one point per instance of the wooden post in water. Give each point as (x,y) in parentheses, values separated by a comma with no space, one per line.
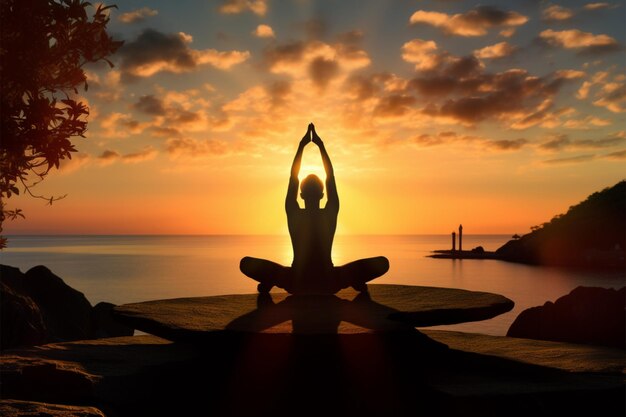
(453,241)
(460,238)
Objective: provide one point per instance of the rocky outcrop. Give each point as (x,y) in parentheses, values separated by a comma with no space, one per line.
(589,235)
(38,307)
(587,315)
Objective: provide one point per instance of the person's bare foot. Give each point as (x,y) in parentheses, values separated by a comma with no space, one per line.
(264,288)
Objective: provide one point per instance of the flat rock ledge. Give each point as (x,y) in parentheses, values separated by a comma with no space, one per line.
(15,408)
(387,308)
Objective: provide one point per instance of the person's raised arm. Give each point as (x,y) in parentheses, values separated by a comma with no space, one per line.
(331,187)
(291,201)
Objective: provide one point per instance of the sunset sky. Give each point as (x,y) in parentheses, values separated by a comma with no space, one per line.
(497,115)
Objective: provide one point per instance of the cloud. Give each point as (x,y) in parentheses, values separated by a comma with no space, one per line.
(555,13)
(146,154)
(507,145)
(570,160)
(422,53)
(264,31)
(560,142)
(109,156)
(150,104)
(612,96)
(106,88)
(74,163)
(586,123)
(258,7)
(320,62)
(576,39)
(475,22)
(154,51)
(394,105)
(597,6)
(619,155)
(189,148)
(499,50)
(137,15)
(121,125)
(449,137)
(322,71)
(461,90)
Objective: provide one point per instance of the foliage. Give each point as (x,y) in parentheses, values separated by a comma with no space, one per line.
(44,46)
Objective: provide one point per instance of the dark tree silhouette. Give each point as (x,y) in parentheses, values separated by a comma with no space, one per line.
(44,45)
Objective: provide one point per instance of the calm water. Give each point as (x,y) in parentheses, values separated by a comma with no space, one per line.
(123,269)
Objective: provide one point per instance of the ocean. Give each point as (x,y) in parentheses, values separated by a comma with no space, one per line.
(125,269)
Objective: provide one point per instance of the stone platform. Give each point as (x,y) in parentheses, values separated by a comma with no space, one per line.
(387,308)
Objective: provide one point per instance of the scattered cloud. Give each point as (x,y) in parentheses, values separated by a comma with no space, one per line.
(394,105)
(508,32)
(145,154)
(258,7)
(560,142)
(555,13)
(449,137)
(570,160)
(138,15)
(586,123)
(598,6)
(422,53)
(612,96)
(507,145)
(499,50)
(605,91)
(264,31)
(475,22)
(149,104)
(461,90)
(619,155)
(73,164)
(121,125)
(188,148)
(109,156)
(318,61)
(154,51)
(577,39)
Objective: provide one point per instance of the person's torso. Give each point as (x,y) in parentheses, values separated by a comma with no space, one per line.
(312,233)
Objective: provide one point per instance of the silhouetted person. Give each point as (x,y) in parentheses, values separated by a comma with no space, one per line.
(312,230)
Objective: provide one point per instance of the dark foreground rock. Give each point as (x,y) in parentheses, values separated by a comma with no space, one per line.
(586,315)
(14,408)
(38,307)
(312,375)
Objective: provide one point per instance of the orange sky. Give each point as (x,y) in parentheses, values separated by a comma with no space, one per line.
(432,113)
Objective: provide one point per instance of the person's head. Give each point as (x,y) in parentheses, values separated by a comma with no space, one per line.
(312,189)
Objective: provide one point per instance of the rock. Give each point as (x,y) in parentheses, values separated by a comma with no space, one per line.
(104,325)
(21,322)
(387,308)
(376,375)
(65,311)
(15,408)
(590,235)
(567,357)
(588,315)
(38,307)
(478,249)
